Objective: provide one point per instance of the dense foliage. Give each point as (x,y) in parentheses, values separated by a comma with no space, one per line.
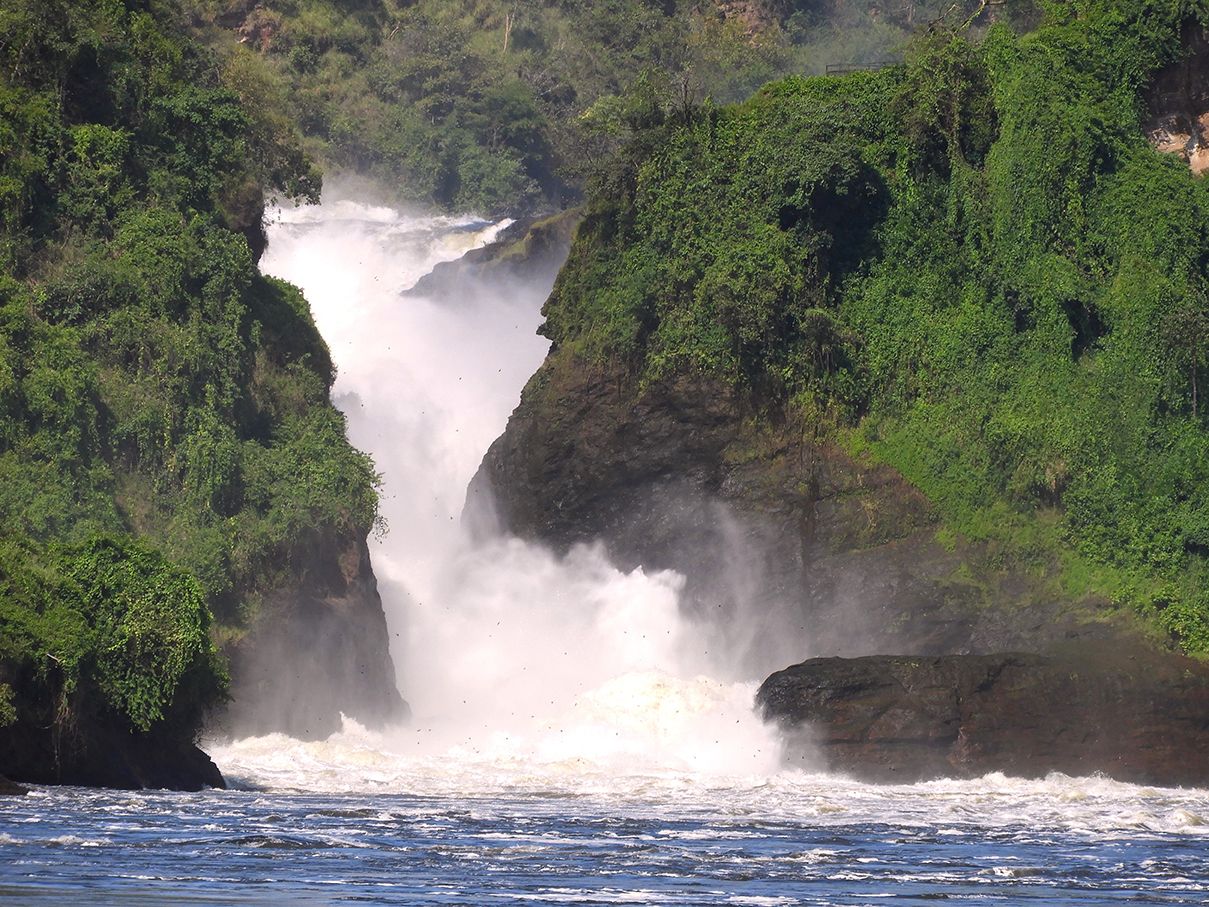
(153,385)
(505,104)
(109,628)
(974,261)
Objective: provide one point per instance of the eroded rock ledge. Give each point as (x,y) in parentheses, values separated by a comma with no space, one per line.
(1134,715)
(92,753)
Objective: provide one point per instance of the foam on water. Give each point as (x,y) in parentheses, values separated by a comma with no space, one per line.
(641,730)
(587,758)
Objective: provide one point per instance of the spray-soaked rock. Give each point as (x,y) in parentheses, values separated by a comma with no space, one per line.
(790,543)
(92,751)
(529,251)
(318,650)
(1132,714)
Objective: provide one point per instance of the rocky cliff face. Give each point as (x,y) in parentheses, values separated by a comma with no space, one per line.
(529,251)
(784,537)
(318,649)
(1125,712)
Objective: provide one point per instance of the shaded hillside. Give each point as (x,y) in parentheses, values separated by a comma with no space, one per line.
(171,468)
(935,332)
(506,106)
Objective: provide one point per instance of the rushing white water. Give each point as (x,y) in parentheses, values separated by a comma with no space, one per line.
(535,677)
(515,661)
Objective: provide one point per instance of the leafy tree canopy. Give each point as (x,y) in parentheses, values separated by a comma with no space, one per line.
(166,439)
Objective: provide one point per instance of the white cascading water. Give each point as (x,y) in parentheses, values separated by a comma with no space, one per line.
(520,667)
(532,676)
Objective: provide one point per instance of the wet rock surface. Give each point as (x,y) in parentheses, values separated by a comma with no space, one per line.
(1132,714)
(529,250)
(90,753)
(319,650)
(787,541)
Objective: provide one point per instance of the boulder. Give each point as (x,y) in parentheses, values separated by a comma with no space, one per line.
(92,753)
(1131,713)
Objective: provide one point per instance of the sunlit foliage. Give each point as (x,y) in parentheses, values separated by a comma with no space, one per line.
(974,259)
(166,438)
(506,105)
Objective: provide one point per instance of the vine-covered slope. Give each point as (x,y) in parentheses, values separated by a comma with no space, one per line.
(972,267)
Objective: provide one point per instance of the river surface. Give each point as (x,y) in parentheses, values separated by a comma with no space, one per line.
(575,739)
(411,837)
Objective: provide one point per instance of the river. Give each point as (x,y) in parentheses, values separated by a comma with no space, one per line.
(575,739)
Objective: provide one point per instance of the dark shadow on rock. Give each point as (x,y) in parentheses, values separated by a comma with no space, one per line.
(790,546)
(89,753)
(1125,711)
(319,650)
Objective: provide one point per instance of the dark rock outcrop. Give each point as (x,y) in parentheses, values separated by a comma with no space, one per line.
(91,753)
(318,649)
(787,540)
(1132,714)
(531,250)
(1177,102)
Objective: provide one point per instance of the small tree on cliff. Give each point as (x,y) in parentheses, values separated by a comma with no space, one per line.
(1186,333)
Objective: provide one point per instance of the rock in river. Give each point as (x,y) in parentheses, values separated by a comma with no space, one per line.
(1129,713)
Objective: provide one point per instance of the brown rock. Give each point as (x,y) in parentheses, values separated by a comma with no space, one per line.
(319,649)
(530,251)
(90,753)
(791,544)
(1177,101)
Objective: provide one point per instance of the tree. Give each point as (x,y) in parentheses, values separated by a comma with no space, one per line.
(1186,332)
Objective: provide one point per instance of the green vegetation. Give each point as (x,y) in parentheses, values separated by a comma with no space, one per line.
(109,628)
(974,260)
(504,105)
(167,443)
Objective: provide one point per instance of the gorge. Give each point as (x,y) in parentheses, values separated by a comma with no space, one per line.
(892,378)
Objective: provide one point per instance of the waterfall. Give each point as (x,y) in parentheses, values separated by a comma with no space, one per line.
(512,657)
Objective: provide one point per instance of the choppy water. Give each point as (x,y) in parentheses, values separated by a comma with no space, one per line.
(576,740)
(669,838)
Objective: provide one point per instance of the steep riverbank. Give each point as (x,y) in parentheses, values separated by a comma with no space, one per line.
(175,480)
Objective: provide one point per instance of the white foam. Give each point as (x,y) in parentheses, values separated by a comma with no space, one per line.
(502,647)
